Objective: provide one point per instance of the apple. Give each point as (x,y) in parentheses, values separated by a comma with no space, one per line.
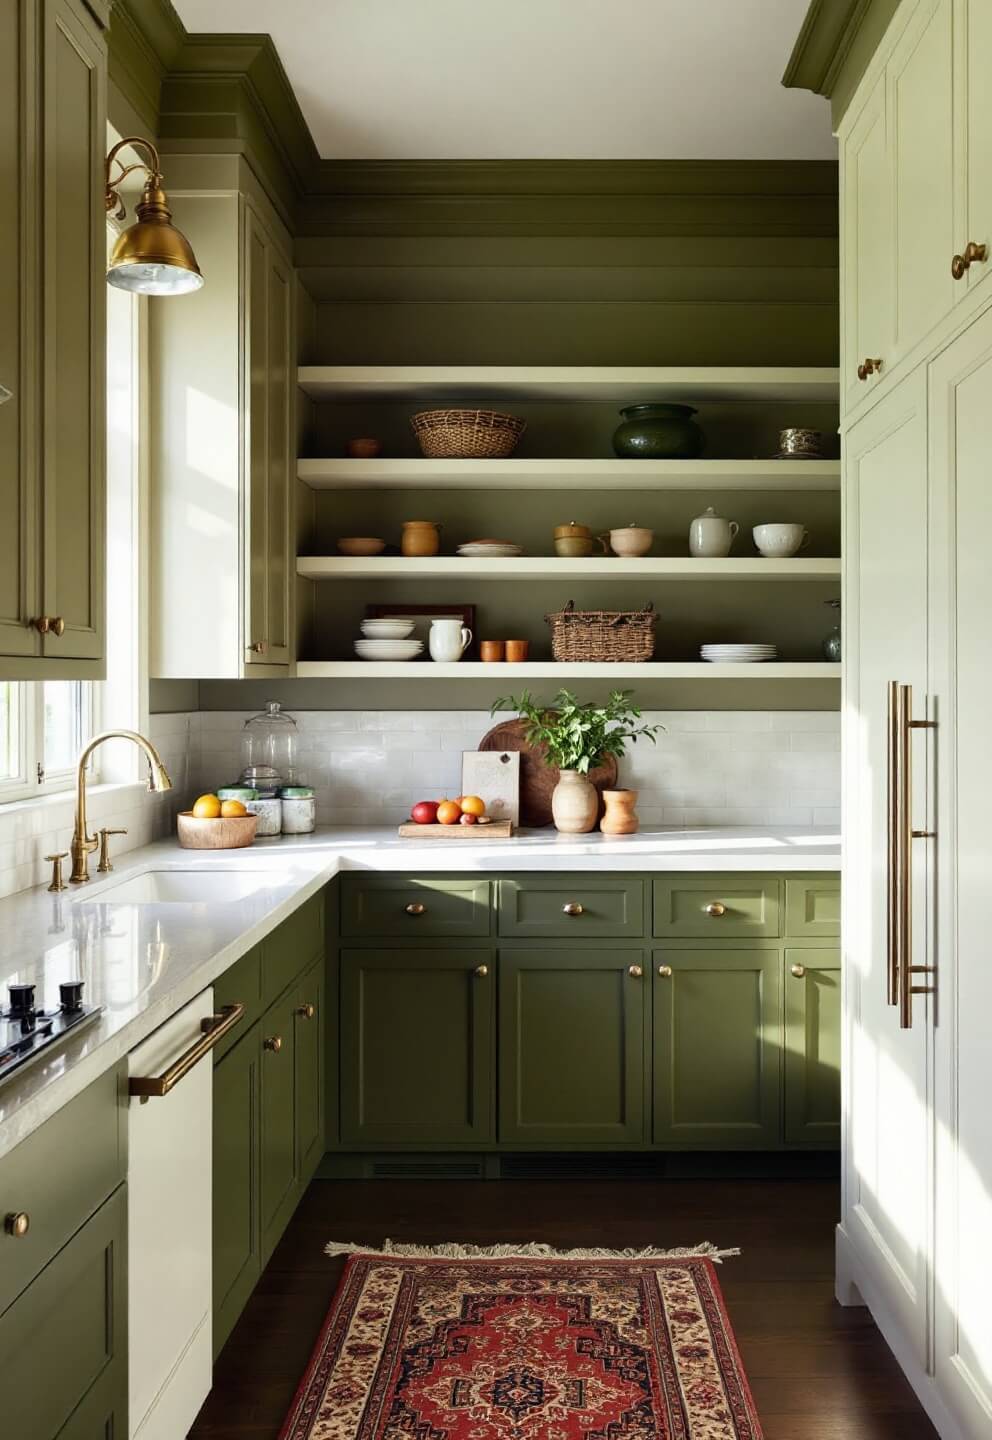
(424,812)
(468,818)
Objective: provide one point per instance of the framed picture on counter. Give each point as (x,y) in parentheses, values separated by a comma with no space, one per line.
(494,775)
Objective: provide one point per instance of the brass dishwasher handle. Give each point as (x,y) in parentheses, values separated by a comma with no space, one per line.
(905,725)
(972,252)
(214,1029)
(415,908)
(716,908)
(17,1224)
(665,971)
(892,871)
(798,971)
(273,1043)
(572,908)
(306,1012)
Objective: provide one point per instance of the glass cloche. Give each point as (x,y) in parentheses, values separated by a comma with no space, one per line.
(268,748)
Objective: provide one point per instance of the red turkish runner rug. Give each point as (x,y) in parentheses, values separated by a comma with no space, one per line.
(521,1348)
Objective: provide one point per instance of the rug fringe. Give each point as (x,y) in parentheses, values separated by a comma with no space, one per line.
(528,1251)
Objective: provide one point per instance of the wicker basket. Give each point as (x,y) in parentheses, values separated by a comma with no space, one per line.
(602,636)
(467,434)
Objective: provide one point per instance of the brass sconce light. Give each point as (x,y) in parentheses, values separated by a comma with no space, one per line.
(151,257)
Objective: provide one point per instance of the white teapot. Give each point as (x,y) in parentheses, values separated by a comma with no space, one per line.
(710,535)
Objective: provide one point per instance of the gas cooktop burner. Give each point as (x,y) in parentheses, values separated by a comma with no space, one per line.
(26,1032)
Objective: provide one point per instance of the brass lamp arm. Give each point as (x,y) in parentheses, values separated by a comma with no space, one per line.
(112,187)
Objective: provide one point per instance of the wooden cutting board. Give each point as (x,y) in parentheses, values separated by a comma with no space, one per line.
(537,780)
(497,830)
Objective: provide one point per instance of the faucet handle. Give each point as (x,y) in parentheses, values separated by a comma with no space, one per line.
(105,864)
(56,863)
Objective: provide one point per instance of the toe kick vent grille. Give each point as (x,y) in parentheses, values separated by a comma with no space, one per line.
(427,1170)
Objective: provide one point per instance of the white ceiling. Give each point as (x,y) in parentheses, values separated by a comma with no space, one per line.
(548,79)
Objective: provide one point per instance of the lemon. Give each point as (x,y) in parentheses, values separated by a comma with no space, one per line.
(208,807)
(231,808)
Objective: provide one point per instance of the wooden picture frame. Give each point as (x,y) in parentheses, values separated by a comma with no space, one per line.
(465,613)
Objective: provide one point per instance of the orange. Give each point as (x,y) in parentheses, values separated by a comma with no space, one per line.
(231,808)
(473,805)
(448,812)
(207,808)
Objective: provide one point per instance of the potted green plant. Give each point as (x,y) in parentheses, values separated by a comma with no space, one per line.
(576,738)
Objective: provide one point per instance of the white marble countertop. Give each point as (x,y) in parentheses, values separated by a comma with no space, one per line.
(143,962)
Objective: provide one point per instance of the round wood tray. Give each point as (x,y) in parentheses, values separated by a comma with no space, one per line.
(537,780)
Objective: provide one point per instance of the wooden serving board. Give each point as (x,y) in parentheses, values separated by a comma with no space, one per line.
(498,830)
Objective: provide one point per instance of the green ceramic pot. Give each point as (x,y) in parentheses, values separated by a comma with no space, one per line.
(658,432)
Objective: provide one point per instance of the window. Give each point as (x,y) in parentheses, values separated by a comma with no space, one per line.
(43,726)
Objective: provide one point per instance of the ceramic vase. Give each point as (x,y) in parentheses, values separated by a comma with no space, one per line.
(574,804)
(658,432)
(620,817)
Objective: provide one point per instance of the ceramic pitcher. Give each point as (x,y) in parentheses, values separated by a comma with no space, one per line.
(449,639)
(711,535)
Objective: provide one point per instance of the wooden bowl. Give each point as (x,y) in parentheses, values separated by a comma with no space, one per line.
(361,545)
(228,833)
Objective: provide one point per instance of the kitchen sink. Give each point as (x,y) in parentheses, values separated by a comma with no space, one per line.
(185,887)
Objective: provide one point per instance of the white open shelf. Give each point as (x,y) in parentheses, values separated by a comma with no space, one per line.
(385,474)
(549,670)
(551,567)
(464,384)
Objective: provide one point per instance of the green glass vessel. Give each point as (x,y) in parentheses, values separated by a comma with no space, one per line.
(658,432)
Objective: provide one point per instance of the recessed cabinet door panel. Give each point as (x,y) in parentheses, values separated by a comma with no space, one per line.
(571,1046)
(257,445)
(278,577)
(717,1046)
(812,908)
(278,1163)
(237,1233)
(308,1016)
(868,244)
(812,1047)
(973,102)
(416,1046)
(717,907)
(411,909)
(571,907)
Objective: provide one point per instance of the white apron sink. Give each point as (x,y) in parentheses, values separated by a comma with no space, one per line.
(184,887)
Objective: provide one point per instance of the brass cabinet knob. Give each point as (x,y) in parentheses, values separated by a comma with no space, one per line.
(273,1043)
(716,908)
(415,907)
(972,253)
(572,908)
(798,970)
(482,971)
(635,971)
(56,863)
(869,367)
(56,625)
(259,647)
(306,1012)
(17,1223)
(665,971)
(49,624)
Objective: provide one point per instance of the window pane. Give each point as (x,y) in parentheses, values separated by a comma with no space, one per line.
(10,738)
(67,722)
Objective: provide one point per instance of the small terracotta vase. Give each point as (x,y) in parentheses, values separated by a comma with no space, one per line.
(620,817)
(574,804)
(420,537)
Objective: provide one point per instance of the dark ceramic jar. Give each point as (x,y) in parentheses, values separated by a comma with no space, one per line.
(658,432)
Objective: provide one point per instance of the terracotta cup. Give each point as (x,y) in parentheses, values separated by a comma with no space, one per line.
(517,651)
(490,650)
(364,447)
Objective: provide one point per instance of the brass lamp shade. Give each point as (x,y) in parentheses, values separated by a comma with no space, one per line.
(151,257)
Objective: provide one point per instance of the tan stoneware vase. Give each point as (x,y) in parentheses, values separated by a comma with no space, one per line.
(420,537)
(620,817)
(574,804)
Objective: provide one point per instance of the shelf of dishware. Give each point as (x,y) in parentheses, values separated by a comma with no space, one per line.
(550,670)
(551,567)
(464,384)
(420,474)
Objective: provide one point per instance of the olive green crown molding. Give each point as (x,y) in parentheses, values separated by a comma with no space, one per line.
(835,46)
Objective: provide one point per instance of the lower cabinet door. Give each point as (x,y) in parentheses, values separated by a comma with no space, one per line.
(277,1165)
(237,1259)
(571,1048)
(308,1057)
(812,1047)
(717,1048)
(417,1046)
(64,1340)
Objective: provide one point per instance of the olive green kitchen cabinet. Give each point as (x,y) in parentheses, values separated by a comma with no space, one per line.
(572,1046)
(308,1060)
(53,75)
(717,1048)
(237,1242)
(812,1047)
(417,1046)
(223,436)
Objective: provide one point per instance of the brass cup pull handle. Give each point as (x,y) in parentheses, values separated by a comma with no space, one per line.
(798,971)
(868,367)
(635,971)
(17,1224)
(972,253)
(482,971)
(416,907)
(665,971)
(715,908)
(572,908)
(213,1030)
(273,1043)
(306,1012)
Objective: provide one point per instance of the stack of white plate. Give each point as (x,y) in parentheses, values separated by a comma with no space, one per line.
(390,627)
(489,549)
(388,649)
(738,654)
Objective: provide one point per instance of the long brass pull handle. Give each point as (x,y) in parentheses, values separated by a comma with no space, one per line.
(214,1029)
(572,908)
(972,252)
(415,908)
(716,908)
(905,725)
(17,1224)
(893,831)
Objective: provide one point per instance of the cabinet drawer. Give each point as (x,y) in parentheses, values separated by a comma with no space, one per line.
(812,908)
(713,907)
(241,985)
(388,907)
(577,907)
(58,1177)
(289,949)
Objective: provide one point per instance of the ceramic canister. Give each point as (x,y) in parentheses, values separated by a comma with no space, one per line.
(573,541)
(299,810)
(268,808)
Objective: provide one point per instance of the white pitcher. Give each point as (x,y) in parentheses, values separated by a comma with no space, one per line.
(448,639)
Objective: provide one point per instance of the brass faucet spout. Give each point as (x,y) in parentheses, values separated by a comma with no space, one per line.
(83,844)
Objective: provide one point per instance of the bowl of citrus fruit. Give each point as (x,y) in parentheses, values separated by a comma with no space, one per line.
(215,824)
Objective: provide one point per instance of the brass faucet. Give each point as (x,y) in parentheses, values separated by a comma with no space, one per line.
(83,844)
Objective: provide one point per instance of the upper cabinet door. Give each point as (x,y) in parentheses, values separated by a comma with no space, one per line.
(867,248)
(73,306)
(973,137)
(921,127)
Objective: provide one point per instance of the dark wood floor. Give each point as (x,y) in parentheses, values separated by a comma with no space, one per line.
(818,1372)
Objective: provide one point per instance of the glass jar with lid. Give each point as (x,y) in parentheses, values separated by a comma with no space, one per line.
(269,748)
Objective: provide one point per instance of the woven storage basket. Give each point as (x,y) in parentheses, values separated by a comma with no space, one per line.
(602,636)
(467,434)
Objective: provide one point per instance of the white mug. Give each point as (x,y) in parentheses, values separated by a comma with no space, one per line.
(710,535)
(780,541)
(448,640)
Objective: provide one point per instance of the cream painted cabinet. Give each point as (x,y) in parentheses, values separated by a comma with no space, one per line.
(223,368)
(973,134)
(52,242)
(867,272)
